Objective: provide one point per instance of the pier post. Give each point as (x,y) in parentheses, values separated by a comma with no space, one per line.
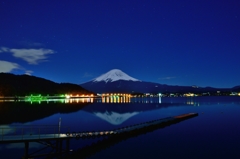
(26,149)
(67,145)
(2,133)
(57,146)
(60,146)
(59,126)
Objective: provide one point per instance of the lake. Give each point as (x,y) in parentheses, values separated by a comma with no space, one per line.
(214,133)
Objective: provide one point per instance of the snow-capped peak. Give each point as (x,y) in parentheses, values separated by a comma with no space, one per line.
(114,75)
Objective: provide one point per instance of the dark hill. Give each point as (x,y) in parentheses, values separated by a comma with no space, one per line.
(21,85)
(236,89)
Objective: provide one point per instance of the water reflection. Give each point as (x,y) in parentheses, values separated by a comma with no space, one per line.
(192,101)
(22,112)
(78,100)
(146,100)
(111,111)
(115,118)
(116,99)
(118,113)
(6,129)
(129,99)
(114,110)
(93,114)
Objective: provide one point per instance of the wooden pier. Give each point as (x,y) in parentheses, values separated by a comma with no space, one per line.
(58,138)
(132,128)
(140,129)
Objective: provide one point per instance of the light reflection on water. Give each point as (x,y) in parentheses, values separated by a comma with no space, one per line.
(214,131)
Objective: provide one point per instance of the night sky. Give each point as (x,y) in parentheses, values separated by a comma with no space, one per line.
(175,42)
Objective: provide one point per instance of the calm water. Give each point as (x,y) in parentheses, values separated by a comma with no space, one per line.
(212,134)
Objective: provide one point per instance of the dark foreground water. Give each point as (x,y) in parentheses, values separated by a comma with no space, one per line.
(215,133)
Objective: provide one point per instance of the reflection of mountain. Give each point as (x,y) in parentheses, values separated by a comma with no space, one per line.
(11,112)
(116,113)
(114,117)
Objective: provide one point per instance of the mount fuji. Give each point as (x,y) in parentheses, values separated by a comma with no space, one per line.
(113,81)
(116,81)
(114,75)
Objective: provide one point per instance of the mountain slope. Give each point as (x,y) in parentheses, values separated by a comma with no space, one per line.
(122,86)
(116,81)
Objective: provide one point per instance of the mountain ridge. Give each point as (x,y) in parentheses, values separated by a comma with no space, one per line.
(121,85)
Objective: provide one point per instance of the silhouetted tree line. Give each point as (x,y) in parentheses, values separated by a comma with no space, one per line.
(21,85)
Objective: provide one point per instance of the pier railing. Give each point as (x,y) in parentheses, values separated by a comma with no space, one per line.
(31,131)
(47,132)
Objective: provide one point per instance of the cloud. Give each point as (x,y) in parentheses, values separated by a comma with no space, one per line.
(32,56)
(4,49)
(166,78)
(6,66)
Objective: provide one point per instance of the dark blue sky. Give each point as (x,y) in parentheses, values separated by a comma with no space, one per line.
(176,42)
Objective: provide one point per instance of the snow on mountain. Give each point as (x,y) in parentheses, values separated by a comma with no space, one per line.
(114,75)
